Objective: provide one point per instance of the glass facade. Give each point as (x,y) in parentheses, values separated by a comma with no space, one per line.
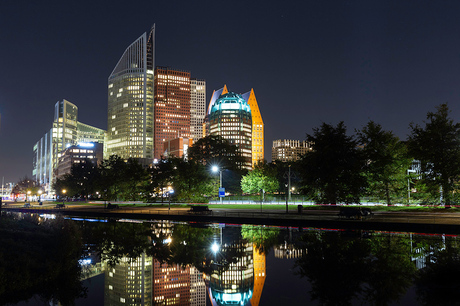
(66,131)
(230,117)
(130,101)
(64,128)
(258,128)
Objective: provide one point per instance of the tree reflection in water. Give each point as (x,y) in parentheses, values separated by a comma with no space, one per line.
(39,259)
(438,282)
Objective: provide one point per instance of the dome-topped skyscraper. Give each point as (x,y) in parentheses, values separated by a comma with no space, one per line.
(230,117)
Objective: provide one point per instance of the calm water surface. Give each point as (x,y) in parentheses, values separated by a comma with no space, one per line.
(49,260)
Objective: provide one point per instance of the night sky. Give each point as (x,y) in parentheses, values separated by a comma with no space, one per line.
(308,61)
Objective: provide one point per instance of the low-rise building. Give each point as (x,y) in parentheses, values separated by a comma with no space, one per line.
(78,155)
(287,150)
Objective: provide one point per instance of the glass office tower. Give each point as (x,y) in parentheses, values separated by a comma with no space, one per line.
(230,117)
(130,101)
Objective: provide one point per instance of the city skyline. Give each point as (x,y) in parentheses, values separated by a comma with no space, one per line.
(308,62)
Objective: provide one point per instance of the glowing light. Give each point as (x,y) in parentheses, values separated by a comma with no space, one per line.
(215,247)
(86,144)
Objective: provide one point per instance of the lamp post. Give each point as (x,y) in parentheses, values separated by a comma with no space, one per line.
(63,197)
(170,191)
(215,169)
(39,196)
(28,194)
(408,185)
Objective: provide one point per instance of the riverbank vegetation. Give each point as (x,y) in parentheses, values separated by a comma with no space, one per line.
(372,165)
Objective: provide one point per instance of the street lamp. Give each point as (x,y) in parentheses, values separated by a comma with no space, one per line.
(215,169)
(408,185)
(63,197)
(170,191)
(28,194)
(39,195)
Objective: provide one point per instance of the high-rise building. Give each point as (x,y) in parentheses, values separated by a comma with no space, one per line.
(233,285)
(130,123)
(66,131)
(230,118)
(197,107)
(172,107)
(259,275)
(257,128)
(64,127)
(215,95)
(289,150)
(129,282)
(197,288)
(171,284)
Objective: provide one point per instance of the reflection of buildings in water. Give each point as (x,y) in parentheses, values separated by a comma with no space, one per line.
(136,283)
(129,282)
(197,288)
(163,227)
(421,255)
(171,284)
(259,276)
(231,281)
(288,251)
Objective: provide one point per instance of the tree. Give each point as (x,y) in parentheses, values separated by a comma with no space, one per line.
(387,162)
(215,150)
(122,180)
(82,180)
(24,185)
(333,171)
(262,177)
(192,181)
(263,238)
(437,146)
(161,176)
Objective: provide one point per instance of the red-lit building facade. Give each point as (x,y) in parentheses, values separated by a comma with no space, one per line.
(171,107)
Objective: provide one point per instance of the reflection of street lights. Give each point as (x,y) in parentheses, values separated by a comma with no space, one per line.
(215,169)
(215,248)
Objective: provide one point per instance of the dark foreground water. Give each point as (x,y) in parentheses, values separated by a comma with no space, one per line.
(48,260)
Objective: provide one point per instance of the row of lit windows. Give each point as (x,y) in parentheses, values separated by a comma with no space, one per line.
(82,151)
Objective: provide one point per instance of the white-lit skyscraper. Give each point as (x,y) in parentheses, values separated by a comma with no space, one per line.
(197,107)
(130,123)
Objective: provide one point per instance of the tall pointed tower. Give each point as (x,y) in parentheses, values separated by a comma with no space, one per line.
(130,101)
(257,128)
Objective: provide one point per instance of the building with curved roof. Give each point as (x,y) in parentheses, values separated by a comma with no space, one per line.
(230,117)
(257,129)
(130,110)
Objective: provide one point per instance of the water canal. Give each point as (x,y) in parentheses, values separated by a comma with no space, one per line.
(52,260)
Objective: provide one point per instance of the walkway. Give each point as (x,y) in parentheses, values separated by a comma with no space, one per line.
(448,222)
